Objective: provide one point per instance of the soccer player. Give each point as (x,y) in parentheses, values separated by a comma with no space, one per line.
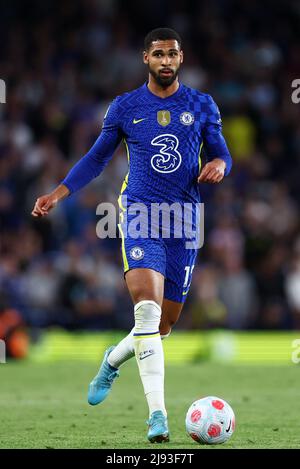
(163,125)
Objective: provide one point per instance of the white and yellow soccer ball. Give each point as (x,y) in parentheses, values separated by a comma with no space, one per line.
(210,421)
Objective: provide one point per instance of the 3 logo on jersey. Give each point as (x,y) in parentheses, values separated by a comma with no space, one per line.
(168,159)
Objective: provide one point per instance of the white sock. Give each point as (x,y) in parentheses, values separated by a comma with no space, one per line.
(149,353)
(125,350)
(122,352)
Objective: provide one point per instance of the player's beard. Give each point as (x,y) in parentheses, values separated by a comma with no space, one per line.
(162,81)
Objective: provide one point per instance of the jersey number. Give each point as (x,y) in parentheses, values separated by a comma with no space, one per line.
(188,275)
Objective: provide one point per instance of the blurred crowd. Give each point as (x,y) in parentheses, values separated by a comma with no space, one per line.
(63,62)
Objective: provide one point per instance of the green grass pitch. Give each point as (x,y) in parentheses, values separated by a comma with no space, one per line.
(44,405)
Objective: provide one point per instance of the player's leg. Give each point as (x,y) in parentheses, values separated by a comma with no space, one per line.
(116,356)
(142,284)
(176,286)
(145,283)
(135,280)
(144,265)
(139,260)
(124,350)
(146,287)
(150,358)
(171,311)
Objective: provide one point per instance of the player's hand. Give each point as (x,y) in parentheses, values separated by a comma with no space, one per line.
(47,202)
(44,204)
(213,172)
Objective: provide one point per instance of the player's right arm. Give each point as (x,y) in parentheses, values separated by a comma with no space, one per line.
(218,159)
(89,166)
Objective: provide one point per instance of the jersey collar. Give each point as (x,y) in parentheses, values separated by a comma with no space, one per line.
(154,96)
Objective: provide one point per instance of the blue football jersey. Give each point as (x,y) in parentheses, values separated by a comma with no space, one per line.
(164,139)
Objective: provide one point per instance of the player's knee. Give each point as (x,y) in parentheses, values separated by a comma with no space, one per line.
(147,315)
(143,293)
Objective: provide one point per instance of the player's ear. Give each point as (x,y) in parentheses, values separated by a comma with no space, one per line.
(181,56)
(145,57)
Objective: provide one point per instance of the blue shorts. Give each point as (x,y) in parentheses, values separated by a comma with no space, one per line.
(170,257)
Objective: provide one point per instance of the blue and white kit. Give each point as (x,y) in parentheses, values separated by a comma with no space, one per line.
(165,140)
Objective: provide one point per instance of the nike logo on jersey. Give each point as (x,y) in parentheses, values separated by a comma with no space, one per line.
(136,121)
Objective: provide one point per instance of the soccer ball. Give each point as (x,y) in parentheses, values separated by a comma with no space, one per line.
(210,421)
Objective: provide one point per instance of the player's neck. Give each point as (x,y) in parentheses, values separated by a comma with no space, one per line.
(158,90)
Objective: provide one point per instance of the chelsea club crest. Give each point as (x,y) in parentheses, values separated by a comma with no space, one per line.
(137,253)
(187,118)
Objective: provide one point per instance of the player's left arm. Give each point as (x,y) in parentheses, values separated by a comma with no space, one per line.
(219,161)
(94,161)
(89,166)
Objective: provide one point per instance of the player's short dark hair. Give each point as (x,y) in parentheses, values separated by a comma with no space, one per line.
(161,34)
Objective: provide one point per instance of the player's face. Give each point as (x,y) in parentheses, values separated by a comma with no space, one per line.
(164,59)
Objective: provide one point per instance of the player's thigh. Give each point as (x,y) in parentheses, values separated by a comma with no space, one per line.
(145,284)
(171,311)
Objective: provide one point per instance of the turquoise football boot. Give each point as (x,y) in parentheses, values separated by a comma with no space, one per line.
(158,427)
(100,387)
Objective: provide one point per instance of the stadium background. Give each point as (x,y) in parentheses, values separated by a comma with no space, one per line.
(62,294)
